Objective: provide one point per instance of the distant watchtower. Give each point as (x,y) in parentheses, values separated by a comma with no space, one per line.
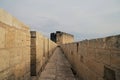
(61,37)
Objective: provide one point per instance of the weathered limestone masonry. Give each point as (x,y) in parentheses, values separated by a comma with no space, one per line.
(17,60)
(61,37)
(97,59)
(14,48)
(41,49)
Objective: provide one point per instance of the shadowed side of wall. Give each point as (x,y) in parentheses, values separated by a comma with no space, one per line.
(14,48)
(97,59)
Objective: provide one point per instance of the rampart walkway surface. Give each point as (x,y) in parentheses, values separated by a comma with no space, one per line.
(57,68)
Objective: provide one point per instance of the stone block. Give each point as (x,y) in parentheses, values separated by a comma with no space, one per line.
(27,76)
(100,44)
(26,54)
(94,66)
(10,38)
(90,75)
(103,56)
(27,39)
(6,74)
(90,53)
(21,39)
(27,66)
(17,38)
(113,42)
(92,43)
(2,37)
(15,56)
(4,59)
(84,51)
(81,71)
(19,70)
(115,59)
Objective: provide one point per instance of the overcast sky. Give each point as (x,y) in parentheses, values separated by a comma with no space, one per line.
(85,19)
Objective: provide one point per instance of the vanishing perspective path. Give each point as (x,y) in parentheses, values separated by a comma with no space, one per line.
(57,68)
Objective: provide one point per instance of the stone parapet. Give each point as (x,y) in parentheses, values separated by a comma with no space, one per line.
(14,48)
(96,59)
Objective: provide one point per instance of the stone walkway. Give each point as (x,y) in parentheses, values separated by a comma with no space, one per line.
(58,68)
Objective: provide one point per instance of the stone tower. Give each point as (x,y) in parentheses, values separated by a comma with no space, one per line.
(61,37)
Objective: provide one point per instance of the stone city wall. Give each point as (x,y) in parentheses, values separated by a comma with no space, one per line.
(41,50)
(96,59)
(20,52)
(14,48)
